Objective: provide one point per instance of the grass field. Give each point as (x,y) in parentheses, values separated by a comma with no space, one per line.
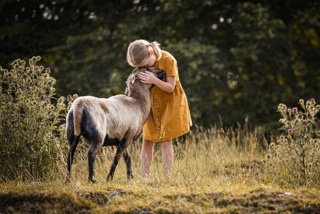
(215,171)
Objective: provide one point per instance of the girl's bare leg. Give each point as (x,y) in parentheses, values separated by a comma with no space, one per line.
(167,157)
(146,157)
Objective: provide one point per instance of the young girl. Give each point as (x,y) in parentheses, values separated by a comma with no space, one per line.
(170,115)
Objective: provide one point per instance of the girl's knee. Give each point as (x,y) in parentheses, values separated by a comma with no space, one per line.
(147,147)
(166,145)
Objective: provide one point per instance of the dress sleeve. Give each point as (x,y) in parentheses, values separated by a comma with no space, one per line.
(171,67)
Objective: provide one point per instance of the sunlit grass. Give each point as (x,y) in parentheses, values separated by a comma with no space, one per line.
(215,170)
(204,156)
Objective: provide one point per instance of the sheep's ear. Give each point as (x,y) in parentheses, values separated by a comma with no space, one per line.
(134,78)
(161,74)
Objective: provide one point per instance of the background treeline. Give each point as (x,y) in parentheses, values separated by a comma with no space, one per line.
(237,59)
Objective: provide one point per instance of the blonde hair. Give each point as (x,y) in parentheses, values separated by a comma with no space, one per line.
(140,50)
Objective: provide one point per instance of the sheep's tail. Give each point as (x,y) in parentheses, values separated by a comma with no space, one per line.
(77,118)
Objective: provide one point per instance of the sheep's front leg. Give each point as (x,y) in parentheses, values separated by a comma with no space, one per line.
(91,159)
(121,148)
(127,159)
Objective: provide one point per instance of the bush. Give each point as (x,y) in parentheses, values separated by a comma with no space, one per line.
(32,122)
(295,157)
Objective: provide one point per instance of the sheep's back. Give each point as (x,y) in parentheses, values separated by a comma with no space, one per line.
(124,116)
(116,116)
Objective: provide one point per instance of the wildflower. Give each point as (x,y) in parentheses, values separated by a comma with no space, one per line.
(290,131)
(283,120)
(301,102)
(295,109)
(48,70)
(19,89)
(69,96)
(47,100)
(282,137)
(282,106)
(299,116)
(309,104)
(312,100)
(272,145)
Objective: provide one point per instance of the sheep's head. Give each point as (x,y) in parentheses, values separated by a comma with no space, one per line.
(132,79)
(159,73)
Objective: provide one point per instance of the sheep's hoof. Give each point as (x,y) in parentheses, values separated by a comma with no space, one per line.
(67,180)
(109,178)
(92,180)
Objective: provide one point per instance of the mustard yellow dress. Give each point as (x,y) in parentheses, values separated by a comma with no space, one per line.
(170,114)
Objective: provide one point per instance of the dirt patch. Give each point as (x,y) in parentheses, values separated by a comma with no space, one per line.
(121,201)
(41,203)
(272,202)
(258,201)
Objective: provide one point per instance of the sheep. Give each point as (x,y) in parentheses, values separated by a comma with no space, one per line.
(116,121)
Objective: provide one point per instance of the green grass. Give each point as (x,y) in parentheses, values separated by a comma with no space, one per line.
(215,171)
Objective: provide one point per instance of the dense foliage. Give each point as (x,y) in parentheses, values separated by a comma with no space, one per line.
(31,124)
(237,59)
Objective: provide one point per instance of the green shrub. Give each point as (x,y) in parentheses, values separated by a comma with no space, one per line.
(32,129)
(293,160)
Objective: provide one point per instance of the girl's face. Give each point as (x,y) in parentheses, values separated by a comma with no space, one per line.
(150,61)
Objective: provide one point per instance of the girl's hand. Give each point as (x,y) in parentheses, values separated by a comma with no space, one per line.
(168,85)
(147,77)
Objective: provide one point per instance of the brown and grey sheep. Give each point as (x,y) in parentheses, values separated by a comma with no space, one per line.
(115,121)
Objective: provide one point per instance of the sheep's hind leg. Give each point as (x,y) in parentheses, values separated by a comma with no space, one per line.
(73,142)
(91,159)
(127,160)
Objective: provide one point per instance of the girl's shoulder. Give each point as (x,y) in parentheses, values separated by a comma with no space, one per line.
(167,55)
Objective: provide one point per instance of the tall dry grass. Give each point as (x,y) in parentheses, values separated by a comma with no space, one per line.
(34,146)
(203,157)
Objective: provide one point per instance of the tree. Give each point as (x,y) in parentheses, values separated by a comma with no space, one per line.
(237,60)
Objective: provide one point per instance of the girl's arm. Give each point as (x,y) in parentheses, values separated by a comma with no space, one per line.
(149,78)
